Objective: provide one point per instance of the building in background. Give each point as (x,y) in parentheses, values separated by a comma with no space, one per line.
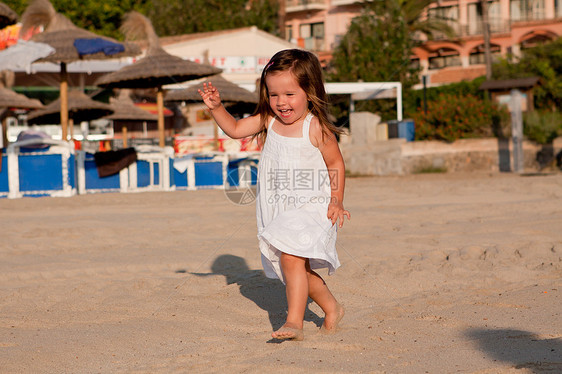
(514,26)
(319,25)
(241,53)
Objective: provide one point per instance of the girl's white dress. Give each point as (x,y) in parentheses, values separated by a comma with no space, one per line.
(293,194)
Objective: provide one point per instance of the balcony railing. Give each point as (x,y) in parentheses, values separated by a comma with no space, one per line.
(313,44)
(535,15)
(497,26)
(347,2)
(300,5)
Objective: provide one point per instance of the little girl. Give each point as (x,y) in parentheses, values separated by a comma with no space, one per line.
(301,177)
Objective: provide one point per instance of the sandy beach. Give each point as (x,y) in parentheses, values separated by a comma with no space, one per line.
(441,273)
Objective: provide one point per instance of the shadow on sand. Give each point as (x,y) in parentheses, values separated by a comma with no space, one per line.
(523,349)
(267,294)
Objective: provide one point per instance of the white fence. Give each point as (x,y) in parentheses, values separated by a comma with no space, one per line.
(45,167)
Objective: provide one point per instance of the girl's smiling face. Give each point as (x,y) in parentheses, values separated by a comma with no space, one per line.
(287,99)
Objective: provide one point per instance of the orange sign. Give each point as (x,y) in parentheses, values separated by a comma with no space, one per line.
(153,108)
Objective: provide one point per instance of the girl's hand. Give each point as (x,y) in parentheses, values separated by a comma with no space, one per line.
(337,212)
(210,96)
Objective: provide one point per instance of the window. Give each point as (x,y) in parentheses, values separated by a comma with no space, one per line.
(478,56)
(447,14)
(474,26)
(534,41)
(538,9)
(318,30)
(444,57)
(474,19)
(313,35)
(524,10)
(305,31)
(495,18)
(289,32)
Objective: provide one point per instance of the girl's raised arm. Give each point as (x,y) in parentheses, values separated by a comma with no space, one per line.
(236,129)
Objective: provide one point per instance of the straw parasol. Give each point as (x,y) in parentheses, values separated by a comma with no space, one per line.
(156,69)
(10,99)
(236,98)
(126,110)
(230,92)
(60,33)
(7,16)
(80,108)
(126,113)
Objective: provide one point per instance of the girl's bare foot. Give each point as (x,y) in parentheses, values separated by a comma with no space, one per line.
(331,321)
(288,333)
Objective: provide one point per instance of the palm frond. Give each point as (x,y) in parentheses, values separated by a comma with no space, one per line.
(42,13)
(433,27)
(136,26)
(414,9)
(415,16)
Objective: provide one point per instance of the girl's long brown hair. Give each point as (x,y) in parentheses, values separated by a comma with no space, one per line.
(307,71)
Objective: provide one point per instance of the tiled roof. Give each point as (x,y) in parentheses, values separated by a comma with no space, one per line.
(506,84)
(167,40)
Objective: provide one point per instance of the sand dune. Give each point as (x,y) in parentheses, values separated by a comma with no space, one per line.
(455,273)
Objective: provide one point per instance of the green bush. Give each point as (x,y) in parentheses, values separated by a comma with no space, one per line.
(542,126)
(413,99)
(450,117)
(544,61)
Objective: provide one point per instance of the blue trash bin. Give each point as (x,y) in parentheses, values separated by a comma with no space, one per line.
(407,130)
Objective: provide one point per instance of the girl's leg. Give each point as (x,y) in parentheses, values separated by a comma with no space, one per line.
(296,286)
(319,292)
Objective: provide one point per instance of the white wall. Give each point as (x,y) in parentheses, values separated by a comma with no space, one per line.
(242,53)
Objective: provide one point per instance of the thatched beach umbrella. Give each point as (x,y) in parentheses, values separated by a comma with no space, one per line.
(7,16)
(127,114)
(80,108)
(158,68)
(10,99)
(232,96)
(61,34)
(230,92)
(126,110)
